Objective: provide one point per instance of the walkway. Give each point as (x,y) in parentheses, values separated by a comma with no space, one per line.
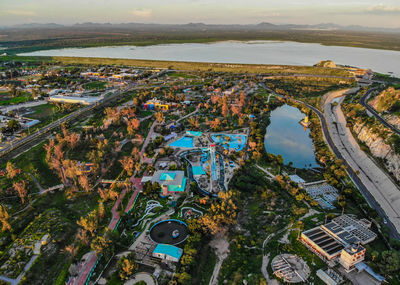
(146,142)
(142,276)
(188,115)
(271,176)
(37,183)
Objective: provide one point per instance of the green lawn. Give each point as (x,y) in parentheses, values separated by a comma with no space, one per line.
(95,85)
(6,99)
(182,75)
(46,114)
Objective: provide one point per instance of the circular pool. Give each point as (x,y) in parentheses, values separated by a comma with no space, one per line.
(169,232)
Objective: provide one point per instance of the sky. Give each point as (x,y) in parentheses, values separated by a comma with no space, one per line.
(372,13)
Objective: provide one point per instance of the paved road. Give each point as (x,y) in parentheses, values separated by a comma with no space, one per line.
(385,193)
(356,179)
(363,101)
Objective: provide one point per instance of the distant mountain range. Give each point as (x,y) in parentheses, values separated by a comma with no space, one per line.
(204,27)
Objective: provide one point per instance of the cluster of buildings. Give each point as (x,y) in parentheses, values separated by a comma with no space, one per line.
(342,242)
(326,195)
(155,104)
(101,74)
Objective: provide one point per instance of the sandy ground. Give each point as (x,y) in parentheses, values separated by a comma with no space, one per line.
(264,271)
(375,180)
(221,246)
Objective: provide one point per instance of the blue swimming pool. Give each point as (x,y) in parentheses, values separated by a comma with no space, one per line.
(198,170)
(183,142)
(230,141)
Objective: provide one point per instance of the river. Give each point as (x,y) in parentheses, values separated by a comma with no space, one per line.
(285,136)
(253,52)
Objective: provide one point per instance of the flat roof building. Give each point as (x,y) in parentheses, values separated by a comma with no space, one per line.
(171,182)
(168,252)
(322,243)
(329,240)
(74,100)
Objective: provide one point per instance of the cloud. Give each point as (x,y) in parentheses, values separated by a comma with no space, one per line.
(383,9)
(25,13)
(142,13)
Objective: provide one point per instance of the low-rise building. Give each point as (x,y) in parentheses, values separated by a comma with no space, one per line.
(168,252)
(171,182)
(74,99)
(351,255)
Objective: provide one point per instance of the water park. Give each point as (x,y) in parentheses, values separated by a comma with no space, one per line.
(234,142)
(183,142)
(190,139)
(171,232)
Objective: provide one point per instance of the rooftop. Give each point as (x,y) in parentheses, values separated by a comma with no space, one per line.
(168,249)
(168,177)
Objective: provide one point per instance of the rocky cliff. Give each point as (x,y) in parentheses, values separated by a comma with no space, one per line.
(379,147)
(386,100)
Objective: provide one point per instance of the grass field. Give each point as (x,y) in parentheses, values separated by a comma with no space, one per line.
(204,66)
(6,99)
(95,85)
(46,114)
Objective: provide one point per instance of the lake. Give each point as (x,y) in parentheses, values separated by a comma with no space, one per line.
(285,136)
(252,52)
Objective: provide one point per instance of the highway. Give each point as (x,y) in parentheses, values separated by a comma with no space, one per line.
(363,101)
(357,181)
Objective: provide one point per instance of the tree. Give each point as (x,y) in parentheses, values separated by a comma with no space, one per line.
(90,222)
(374,255)
(390,261)
(12,171)
(20,188)
(194,123)
(84,182)
(99,244)
(49,147)
(136,154)
(127,164)
(132,126)
(159,117)
(4,216)
(225,109)
(214,124)
(72,139)
(184,277)
(151,189)
(101,210)
(222,213)
(13,125)
(127,266)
